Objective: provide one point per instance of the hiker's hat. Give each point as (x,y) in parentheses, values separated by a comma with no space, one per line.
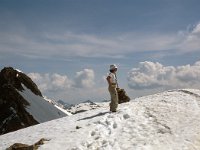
(112,67)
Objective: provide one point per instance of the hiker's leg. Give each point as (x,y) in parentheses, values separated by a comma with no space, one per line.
(114,98)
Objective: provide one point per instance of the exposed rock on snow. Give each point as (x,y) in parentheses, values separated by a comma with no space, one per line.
(163,121)
(20,146)
(122,95)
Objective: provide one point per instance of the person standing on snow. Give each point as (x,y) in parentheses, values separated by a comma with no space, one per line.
(112,87)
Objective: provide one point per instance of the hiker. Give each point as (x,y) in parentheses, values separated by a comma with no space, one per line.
(112,87)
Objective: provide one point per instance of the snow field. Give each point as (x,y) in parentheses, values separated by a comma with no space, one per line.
(164,121)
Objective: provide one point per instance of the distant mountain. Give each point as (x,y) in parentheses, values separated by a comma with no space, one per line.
(22,103)
(82,107)
(63,104)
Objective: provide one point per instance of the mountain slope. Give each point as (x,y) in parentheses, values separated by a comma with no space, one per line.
(163,121)
(39,108)
(22,103)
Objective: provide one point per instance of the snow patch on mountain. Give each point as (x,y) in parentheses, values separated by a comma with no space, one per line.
(63,110)
(40,109)
(168,120)
(18,70)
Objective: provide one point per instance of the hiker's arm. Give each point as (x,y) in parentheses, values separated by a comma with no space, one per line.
(109,81)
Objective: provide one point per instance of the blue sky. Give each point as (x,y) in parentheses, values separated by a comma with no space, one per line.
(69,44)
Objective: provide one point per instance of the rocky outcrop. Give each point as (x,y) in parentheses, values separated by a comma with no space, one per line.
(20,146)
(123,97)
(14,78)
(13,115)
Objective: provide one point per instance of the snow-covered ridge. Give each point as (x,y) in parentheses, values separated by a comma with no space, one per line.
(168,120)
(18,70)
(57,105)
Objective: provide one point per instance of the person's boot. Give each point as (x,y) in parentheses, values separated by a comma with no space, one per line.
(113,110)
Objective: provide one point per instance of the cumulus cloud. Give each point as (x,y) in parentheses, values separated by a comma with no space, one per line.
(51,82)
(150,75)
(73,90)
(56,82)
(84,79)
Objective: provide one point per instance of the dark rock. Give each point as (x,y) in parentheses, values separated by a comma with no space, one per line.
(20,146)
(13,115)
(77,127)
(13,78)
(123,97)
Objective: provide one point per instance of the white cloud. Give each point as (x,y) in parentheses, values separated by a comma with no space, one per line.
(74,90)
(51,82)
(191,39)
(56,82)
(84,79)
(86,45)
(151,75)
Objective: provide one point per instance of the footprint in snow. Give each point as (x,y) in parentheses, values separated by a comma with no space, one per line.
(126,116)
(93,133)
(114,125)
